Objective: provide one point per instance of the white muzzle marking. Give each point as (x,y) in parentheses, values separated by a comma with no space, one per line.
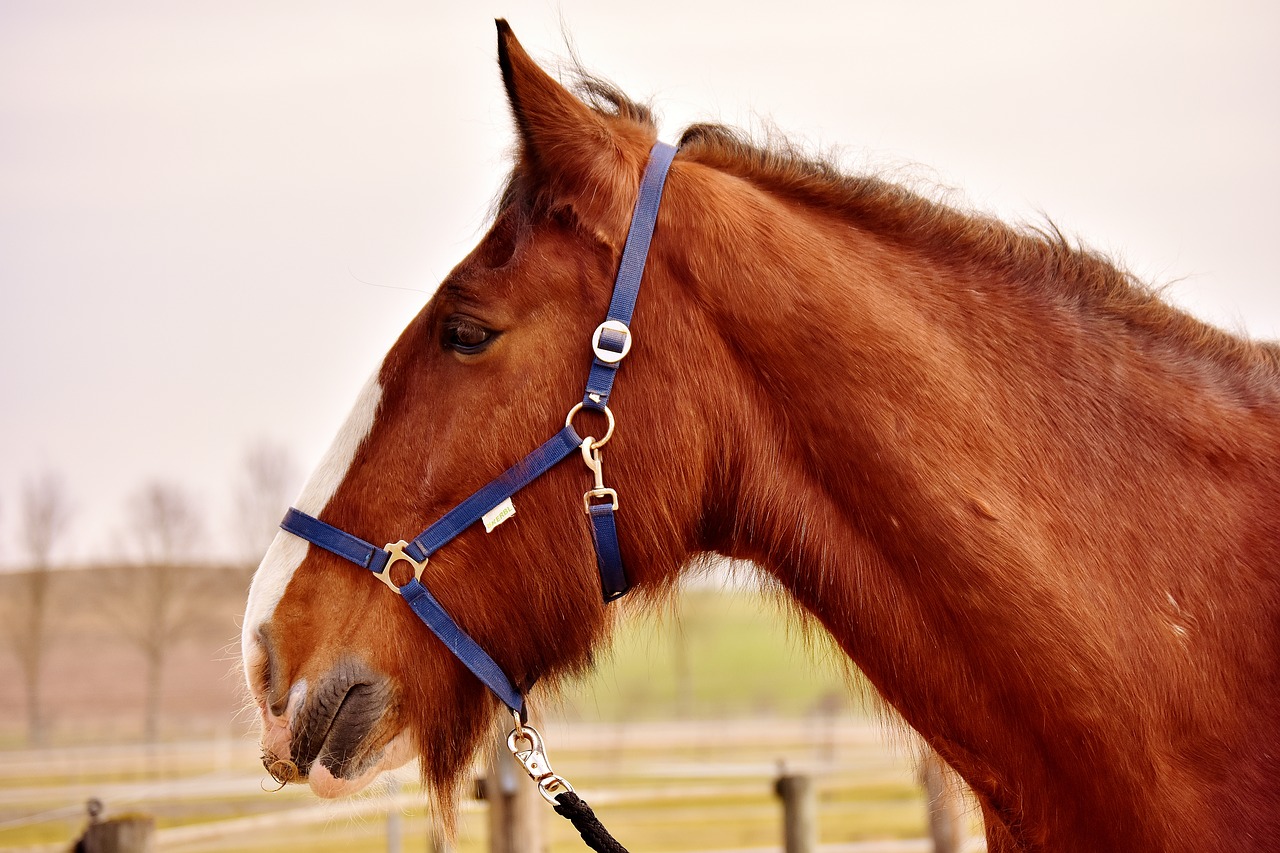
(288,551)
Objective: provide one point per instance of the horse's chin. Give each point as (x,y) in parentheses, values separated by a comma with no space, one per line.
(399,751)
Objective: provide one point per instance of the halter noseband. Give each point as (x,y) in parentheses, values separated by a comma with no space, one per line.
(610,342)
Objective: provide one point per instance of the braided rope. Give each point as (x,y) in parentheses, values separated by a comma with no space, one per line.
(573,807)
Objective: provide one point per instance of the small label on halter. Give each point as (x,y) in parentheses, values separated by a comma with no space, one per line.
(497,515)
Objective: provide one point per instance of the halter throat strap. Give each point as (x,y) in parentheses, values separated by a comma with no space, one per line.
(610,343)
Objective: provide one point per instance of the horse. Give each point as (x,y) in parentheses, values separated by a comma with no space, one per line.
(1032,502)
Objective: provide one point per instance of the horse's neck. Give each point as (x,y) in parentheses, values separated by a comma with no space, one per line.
(1005,512)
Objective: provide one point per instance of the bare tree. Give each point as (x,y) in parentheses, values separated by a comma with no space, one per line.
(165,523)
(268,480)
(44,516)
(157,603)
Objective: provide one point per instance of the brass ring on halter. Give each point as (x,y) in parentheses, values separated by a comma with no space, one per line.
(577,407)
(397,555)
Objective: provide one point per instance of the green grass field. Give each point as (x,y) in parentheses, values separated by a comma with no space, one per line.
(715,654)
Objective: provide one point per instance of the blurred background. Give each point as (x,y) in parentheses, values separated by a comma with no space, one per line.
(197,200)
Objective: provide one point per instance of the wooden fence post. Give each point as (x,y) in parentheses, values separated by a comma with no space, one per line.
(126,834)
(517,814)
(946,812)
(799,813)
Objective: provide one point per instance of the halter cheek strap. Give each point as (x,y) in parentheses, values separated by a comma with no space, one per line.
(610,343)
(612,338)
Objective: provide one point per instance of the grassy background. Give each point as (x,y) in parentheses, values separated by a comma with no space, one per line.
(676,737)
(715,653)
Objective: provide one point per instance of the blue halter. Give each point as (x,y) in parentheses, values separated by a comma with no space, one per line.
(611,342)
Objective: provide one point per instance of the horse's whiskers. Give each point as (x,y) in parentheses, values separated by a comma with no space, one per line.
(281,770)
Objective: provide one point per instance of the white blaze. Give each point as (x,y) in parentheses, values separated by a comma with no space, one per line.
(288,551)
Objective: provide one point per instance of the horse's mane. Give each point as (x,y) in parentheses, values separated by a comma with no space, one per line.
(1037,259)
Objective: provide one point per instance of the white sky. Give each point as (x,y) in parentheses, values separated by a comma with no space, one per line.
(215,217)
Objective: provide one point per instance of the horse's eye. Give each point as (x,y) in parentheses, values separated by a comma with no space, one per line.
(466,336)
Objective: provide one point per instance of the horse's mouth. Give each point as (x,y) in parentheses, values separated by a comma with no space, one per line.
(338,737)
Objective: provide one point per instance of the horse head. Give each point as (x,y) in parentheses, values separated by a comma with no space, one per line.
(348,681)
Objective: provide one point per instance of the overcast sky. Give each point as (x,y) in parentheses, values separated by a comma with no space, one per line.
(216,217)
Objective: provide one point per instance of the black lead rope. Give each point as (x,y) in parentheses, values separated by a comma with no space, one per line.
(573,807)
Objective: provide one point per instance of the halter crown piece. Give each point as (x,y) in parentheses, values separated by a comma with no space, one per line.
(611,342)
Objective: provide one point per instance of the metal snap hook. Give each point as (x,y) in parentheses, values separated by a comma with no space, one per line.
(535,763)
(593,456)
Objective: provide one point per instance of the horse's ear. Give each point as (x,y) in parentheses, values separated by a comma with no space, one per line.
(582,158)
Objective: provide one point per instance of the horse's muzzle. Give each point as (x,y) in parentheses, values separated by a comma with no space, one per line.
(336,721)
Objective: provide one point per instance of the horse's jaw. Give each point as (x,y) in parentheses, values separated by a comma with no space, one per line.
(398,752)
